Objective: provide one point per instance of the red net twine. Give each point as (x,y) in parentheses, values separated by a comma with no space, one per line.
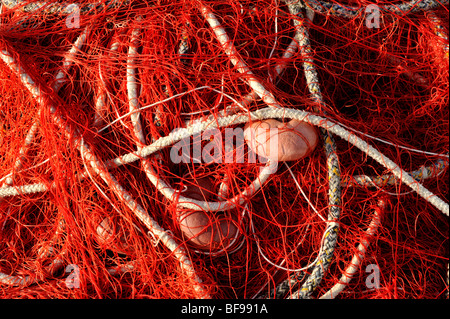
(83,84)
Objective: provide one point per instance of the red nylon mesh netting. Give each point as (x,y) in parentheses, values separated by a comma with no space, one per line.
(388,82)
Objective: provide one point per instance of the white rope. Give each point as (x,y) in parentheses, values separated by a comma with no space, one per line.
(15,280)
(229,48)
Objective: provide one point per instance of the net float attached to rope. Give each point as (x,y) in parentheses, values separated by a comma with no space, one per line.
(113,236)
(206,231)
(279,141)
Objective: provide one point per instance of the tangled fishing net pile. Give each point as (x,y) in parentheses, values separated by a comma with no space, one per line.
(95,95)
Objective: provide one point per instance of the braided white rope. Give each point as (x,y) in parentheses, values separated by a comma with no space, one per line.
(44,7)
(233,55)
(102,91)
(16,280)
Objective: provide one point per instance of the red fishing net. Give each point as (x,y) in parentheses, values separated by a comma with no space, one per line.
(124,172)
